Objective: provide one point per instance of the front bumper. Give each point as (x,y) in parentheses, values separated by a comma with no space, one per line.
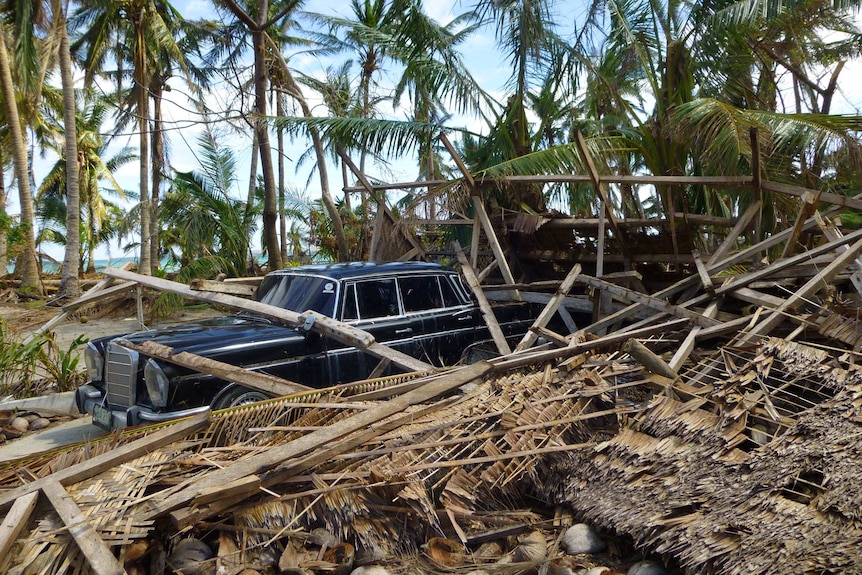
(88,396)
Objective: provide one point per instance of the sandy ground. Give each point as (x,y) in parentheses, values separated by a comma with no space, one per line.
(25,319)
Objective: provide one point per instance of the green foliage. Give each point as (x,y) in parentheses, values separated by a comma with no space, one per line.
(34,367)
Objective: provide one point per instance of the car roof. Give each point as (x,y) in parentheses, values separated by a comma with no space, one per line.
(349,270)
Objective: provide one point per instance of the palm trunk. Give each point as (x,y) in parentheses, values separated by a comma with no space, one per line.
(141,84)
(270,195)
(26,263)
(4,238)
(91,245)
(319,152)
(158,141)
(69,286)
(282,220)
(251,198)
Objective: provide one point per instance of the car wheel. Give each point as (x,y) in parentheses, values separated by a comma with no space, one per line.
(238,395)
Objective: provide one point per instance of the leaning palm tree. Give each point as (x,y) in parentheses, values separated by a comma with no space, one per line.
(26,262)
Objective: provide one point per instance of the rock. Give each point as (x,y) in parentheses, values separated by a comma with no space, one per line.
(582,538)
(370,570)
(11,433)
(601,570)
(20,424)
(490,551)
(31,417)
(322,538)
(646,568)
(2,438)
(189,556)
(39,423)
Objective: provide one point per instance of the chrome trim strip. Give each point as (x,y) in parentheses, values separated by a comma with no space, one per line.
(159,417)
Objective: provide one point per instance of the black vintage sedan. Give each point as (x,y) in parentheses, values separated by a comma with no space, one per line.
(421,309)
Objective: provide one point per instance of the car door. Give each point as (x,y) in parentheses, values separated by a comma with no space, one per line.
(374,306)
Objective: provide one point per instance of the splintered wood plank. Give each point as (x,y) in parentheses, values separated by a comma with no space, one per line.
(16,520)
(99,556)
(479,207)
(232,288)
(687,345)
(550,309)
(649,301)
(253,379)
(733,235)
(832,233)
(484,304)
(809,206)
(92,467)
(275,456)
(800,296)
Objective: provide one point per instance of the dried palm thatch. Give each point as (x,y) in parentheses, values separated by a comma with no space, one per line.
(685,479)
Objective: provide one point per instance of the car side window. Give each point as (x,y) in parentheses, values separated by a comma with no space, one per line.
(450,296)
(350,312)
(420,293)
(377,298)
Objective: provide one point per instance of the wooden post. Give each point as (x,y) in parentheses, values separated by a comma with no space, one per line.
(381,205)
(809,206)
(258,380)
(550,309)
(730,240)
(139,306)
(484,304)
(492,239)
(16,520)
(102,561)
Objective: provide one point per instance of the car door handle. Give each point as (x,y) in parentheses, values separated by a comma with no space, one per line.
(405,330)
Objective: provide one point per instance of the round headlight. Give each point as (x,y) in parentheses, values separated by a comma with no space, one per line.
(94,361)
(157,383)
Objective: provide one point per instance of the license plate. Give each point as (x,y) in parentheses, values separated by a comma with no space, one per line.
(103,417)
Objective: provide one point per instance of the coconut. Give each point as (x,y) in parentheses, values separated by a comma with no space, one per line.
(20,424)
(341,556)
(370,570)
(39,423)
(445,551)
(646,568)
(189,556)
(531,548)
(582,538)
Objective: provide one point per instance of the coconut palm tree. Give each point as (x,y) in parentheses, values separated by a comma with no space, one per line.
(137,33)
(26,263)
(97,183)
(206,227)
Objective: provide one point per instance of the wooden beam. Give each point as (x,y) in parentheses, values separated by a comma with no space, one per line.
(597,185)
(835,199)
(381,204)
(98,554)
(456,157)
(91,467)
(88,297)
(484,305)
(730,240)
(832,233)
(809,206)
(705,280)
(649,301)
(493,240)
(550,309)
(239,289)
(802,295)
(687,346)
(16,520)
(275,456)
(258,380)
(345,333)
(644,356)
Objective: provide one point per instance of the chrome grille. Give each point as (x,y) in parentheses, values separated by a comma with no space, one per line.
(121,374)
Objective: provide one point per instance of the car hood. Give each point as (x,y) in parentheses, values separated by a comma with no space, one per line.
(221,337)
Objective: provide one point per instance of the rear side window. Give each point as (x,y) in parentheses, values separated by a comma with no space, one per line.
(450,297)
(376,298)
(420,293)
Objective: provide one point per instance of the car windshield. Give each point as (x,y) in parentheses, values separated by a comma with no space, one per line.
(298,293)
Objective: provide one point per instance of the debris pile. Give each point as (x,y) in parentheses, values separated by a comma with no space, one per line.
(708,427)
